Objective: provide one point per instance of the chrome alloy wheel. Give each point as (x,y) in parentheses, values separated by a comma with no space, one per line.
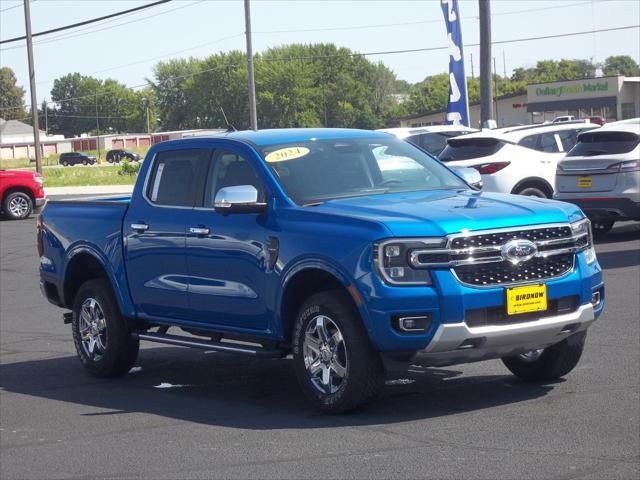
(531,356)
(325,355)
(19,206)
(93,329)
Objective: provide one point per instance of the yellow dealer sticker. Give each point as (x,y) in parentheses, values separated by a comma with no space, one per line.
(532,298)
(288,153)
(585,182)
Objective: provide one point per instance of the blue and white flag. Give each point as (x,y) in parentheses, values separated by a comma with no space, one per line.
(458,105)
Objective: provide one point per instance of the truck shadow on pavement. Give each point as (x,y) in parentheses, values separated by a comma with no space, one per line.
(238,392)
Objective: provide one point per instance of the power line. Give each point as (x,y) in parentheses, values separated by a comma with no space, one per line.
(15,6)
(95,30)
(86,22)
(418,22)
(366,54)
(429,49)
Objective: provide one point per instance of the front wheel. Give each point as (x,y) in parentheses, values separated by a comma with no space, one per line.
(105,346)
(17,205)
(550,363)
(335,363)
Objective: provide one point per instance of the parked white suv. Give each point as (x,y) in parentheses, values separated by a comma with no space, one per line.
(601,174)
(433,138)
(520,160)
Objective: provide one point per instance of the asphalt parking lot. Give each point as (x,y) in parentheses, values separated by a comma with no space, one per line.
(190,414)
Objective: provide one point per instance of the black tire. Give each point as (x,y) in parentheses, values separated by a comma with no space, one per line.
(85,162)
(532,192)
(65,163)
(363,368)
(120,345)
(17,205)
(600,229)
(554,362)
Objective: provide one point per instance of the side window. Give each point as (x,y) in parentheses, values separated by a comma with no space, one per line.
(530,142)
(174,177)
(434,143)
(548,143)
(229,169)
(568,138)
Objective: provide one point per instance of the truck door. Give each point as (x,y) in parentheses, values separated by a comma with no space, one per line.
(154,230)
(227,255)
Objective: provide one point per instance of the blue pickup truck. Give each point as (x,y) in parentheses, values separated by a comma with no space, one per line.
(350,250)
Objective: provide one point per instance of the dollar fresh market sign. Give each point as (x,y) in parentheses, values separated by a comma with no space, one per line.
(573,90)
(565,90)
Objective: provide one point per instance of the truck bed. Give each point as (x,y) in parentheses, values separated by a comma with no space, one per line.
(69,228)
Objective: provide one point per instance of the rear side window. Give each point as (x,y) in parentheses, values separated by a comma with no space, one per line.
(173,181)
(542,142)
(604,143)
(466,148)
(568,138)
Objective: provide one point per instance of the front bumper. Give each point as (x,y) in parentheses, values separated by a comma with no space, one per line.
(458,343)
(40,202)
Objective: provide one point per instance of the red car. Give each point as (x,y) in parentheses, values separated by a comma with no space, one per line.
(21,192)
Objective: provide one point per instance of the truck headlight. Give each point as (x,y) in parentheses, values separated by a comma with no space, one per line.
(585,242)
(391,259)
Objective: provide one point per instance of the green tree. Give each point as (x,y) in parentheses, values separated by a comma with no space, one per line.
(11,96)
(621,65)
(88,105)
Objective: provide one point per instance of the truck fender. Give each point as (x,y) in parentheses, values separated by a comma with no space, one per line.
(330,267)
(117,280)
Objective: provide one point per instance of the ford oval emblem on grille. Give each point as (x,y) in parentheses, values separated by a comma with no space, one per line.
(517,251)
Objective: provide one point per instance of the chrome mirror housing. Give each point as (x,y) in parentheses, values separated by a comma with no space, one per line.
(238,199)
(471,176)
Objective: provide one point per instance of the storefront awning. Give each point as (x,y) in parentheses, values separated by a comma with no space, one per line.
(573,104)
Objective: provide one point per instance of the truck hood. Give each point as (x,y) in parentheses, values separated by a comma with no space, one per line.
(443,212)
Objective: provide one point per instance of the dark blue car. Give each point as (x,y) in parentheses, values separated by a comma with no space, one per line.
(351,250)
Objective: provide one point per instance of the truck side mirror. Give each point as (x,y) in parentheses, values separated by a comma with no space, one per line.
(471,176)
(238,199)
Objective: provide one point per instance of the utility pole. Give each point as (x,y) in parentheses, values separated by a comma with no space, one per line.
(253,116)
(495,88)
(504,64)
(32,83)
(486,100)
(46,120)
(146,106)
(472,75)
(97,128)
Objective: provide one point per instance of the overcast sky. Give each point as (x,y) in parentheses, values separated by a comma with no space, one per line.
(199,28)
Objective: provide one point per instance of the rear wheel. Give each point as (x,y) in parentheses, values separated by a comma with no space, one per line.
(549,363)
(532,192)
(65,163)
(17,205)
(105,346)
(335,363)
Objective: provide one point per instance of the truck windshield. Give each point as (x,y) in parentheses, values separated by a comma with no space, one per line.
(316,171)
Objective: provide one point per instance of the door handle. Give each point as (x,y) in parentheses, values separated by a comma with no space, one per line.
(199,230)
(140,227)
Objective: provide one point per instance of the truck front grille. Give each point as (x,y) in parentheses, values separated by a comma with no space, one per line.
(483,259)
(487,274)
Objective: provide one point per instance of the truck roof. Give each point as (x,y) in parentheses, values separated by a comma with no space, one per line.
(286,135)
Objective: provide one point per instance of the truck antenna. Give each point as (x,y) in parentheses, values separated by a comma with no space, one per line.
(230,128)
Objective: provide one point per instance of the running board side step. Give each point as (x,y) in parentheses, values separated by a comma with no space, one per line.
(209,345)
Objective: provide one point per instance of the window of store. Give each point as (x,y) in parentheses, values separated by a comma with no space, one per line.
(628,111)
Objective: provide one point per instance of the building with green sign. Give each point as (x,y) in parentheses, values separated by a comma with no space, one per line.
(613,98)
